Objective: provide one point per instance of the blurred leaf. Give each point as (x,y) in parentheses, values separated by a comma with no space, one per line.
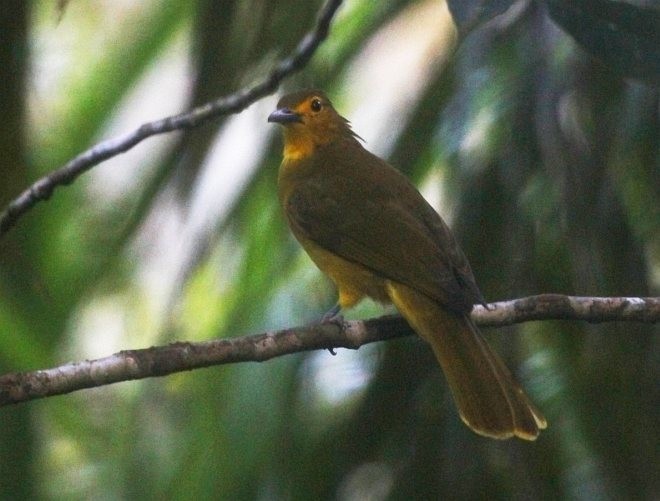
(468,14)
(18,436)
(624,36)
(92,99)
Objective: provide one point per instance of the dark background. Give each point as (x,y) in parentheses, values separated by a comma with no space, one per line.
(536,129)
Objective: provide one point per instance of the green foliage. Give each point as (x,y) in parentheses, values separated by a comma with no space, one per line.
(549,162)
(624,36)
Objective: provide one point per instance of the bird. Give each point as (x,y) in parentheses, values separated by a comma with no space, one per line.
(368,228)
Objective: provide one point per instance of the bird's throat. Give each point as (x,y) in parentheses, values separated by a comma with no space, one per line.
(298,145)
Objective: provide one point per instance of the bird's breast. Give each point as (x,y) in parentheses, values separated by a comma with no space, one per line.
(354,281)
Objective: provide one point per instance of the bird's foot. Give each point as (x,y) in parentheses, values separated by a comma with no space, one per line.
(332,315)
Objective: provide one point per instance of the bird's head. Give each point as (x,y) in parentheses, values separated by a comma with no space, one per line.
(309,121)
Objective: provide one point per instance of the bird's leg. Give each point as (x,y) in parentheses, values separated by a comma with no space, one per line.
(332,315)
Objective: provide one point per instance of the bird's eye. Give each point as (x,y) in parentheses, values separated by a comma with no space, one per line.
(316,104)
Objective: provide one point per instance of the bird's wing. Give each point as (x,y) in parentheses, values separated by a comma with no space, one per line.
(394,233)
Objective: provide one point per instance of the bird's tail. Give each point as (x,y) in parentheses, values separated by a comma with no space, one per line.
(489,400)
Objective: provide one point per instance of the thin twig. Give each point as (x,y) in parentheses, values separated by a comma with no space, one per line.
(178,357)
(43,188)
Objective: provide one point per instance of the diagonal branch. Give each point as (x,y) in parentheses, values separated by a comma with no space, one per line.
(178,357)
(43,188)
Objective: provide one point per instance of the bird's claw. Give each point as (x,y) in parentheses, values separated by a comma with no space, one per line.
(332,315)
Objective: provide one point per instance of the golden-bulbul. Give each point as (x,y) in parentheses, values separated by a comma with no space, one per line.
(369,229)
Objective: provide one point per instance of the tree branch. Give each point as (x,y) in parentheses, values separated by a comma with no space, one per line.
(43,188)
(178,357)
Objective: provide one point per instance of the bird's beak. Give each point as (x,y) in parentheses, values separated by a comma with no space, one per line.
(284,116)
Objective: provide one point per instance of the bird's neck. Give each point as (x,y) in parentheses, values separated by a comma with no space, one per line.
(298,145)
(301,142)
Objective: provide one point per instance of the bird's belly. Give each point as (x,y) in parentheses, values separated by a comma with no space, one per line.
(353,281)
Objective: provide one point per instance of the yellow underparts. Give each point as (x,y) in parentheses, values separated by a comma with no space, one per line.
(353,281)
(298,143)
